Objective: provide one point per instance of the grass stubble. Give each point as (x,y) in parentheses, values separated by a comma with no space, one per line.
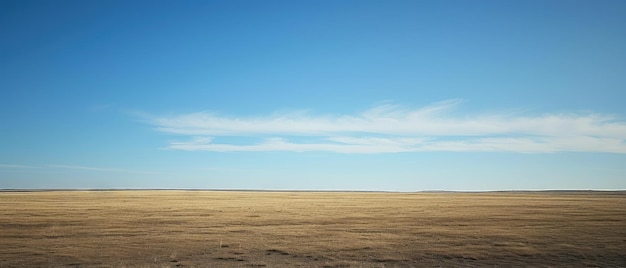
(311,229)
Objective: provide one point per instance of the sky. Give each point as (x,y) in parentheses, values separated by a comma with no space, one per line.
(313,95)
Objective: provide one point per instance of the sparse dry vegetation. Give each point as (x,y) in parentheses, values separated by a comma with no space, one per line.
(311,229)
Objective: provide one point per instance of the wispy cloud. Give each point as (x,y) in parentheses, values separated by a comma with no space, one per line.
(15,166)
(100,169)
(391,128)
(40,167)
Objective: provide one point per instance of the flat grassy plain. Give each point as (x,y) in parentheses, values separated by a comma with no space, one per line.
(311,229)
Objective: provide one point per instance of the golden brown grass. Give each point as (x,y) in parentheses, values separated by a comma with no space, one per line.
(307,229)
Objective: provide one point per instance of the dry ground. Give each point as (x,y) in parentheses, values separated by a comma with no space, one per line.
(308,229)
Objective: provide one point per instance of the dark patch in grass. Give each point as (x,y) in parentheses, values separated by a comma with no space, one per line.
(276,251)
(229,259)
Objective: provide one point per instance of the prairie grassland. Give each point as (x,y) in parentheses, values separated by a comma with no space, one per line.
(311,229)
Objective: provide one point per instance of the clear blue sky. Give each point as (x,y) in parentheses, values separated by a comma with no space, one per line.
(359,95)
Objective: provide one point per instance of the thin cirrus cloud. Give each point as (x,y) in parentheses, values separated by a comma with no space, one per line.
(117,170)
(14,166)
(393,129)
(53,166)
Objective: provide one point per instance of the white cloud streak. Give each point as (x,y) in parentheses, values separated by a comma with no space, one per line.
(117,170)
(15,166)
(391,129)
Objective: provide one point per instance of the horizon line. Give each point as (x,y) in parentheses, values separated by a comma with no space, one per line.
(6,190)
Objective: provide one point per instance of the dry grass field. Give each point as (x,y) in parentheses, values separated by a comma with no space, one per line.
(311,229)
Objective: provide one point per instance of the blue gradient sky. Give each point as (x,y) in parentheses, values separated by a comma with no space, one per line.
(359,95)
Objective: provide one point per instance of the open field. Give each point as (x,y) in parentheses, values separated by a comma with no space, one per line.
(311,229)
